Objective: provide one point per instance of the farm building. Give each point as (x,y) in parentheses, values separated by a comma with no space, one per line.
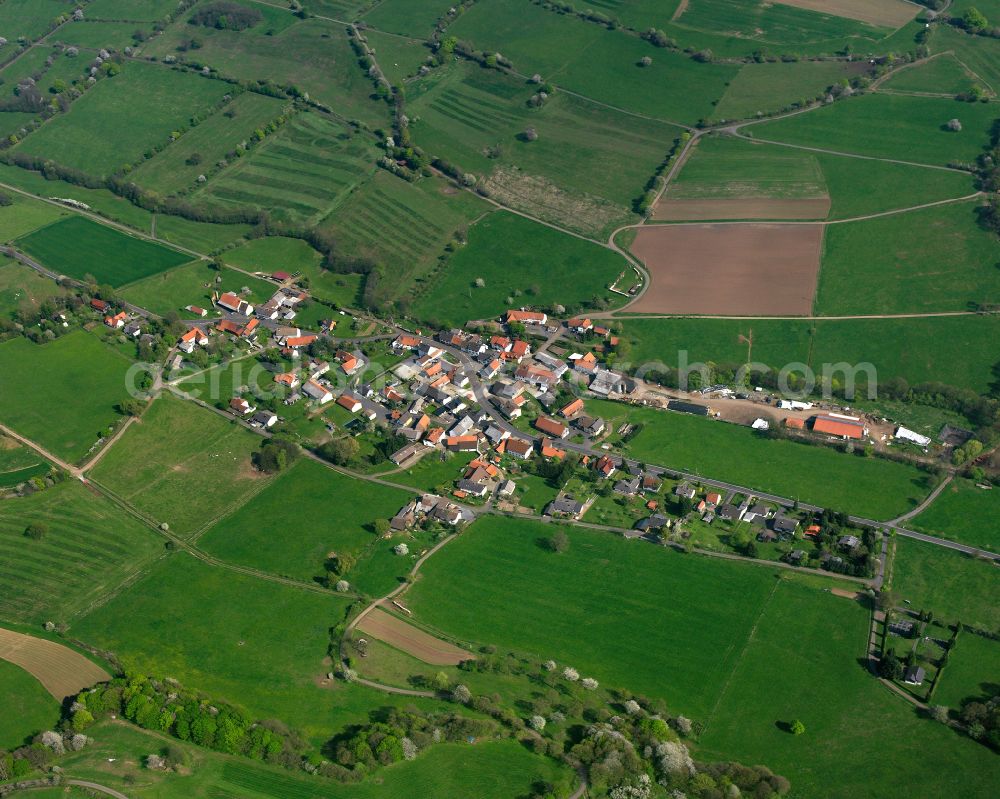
(840,426)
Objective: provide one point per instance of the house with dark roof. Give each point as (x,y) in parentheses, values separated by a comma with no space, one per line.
(564,506)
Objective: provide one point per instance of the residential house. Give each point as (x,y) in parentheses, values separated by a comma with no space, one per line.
(549,451)
(231,302)
(194,337)
(656,521)
(536,376)
(784,525)
(551,427)
(730,513)
(196,310)
(525,317)
(914,675)
(685,490)
(713,498)
(406,342)
(99,305)
(264,419)
(585,363)
(490,370)
(289,379)
(628,487)
(117,321)
(571,408)
(240,406)
(463,443)
(350,402)
(564,506)
(132,330)
(518,448)
(849,542)
(605,466)
(408,455)
(579,324)
(591,426)
(317,391)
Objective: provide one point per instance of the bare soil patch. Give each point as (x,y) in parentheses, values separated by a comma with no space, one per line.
(884,13)
(710,210)
(63,671)
(412,640)
(729,270)
(845,593)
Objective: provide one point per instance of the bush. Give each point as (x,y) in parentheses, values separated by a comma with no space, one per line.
(36,530)
(226,16)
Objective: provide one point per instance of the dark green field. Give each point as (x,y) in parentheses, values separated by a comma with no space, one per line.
(28,707)
(78,247)
(962,512)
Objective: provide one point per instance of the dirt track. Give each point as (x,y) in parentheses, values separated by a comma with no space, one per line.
(63,671)
(681,210)
(753,269)
(379,624)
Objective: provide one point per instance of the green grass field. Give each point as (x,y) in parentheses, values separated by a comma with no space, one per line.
(869,487)
(203,237)
(515,257)
(182,465)
(724,167)
(398,57)
(944,349)
(137,11)
(170,171)
(431,472)
(583,171)
(887,126)
(936,259)
(764,88)
(954,586)
(94,136)
(728,167)
(273,254)
(971,671)
(80,382)
(602,65)
(95,34)
(978,53)
(22,288)
(104,545)
(193,284)
(25,215)
(313,55)
(332,513)
(424,217)
(34,64)
(78,247)
(28,707)
(488,770)
(942,75)
(299,173)
(409,17)
(30,18)
(962,513)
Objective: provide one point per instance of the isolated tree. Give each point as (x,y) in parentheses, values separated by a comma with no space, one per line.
(954,124)
(401,549)
(571,674)
(480,283)
(632,707)
(537,723)
(645,61)
(530,134)
(381,526)
(36,530)
(590,683)
(974,20)
(798,727)
(559,541)
(939,713)
(343,586)
(340,451)
(461,694)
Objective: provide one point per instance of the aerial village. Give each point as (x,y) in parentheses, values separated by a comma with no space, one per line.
(522,413)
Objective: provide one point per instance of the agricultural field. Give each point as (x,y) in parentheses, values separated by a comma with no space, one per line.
(199,150)
(28,708)
(313,55)
(888,126)
(31,18)
(275,254)
(971,671)
(760,89)
(19,463)
(870,487)
(515,258)
(599,64)
(79,247)
(575,172)
(298,174)
(105,544)
(707,653)
(954,586)
(137,11)
(944,74)
(960,513)
(183,466)
(82,382)
(424,218)
(944,349)
(34,64)
(205,237)
(398,57)
(408,17)
(25,215)
(193,284)
(333,514)
(144,96)
(95,35)
(936,259)
(976,53)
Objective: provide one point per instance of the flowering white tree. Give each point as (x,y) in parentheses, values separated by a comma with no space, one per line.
(589,683)
(571,674)
(343,585)
(409,748)
(683,725)
(632,707)
(537,723)
(401,549)
(673,758)
(461,694)
(549,665)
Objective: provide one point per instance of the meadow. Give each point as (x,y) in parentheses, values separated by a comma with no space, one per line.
(960,513)
(314,55)
(25,215)
(515,257)
(888,126)
(137,11)
(34,65)
(104,544)
(936,259)
(942,75)
(487,770)
(398,57)
(183,465)
(589,162)
(408,17)
(274,254)
(144,95)
(978,53)
(193,284)
(868,487)
(205,237)
(23,289)
(602,65)
(764,88)
(953,585)
(172,170)
(298,174)
(971,671)
(28,707)
(81,380)
(433,472)
(96,35)
(424,217)
(78,247)
(332,514)
(943,349)
(30,18)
